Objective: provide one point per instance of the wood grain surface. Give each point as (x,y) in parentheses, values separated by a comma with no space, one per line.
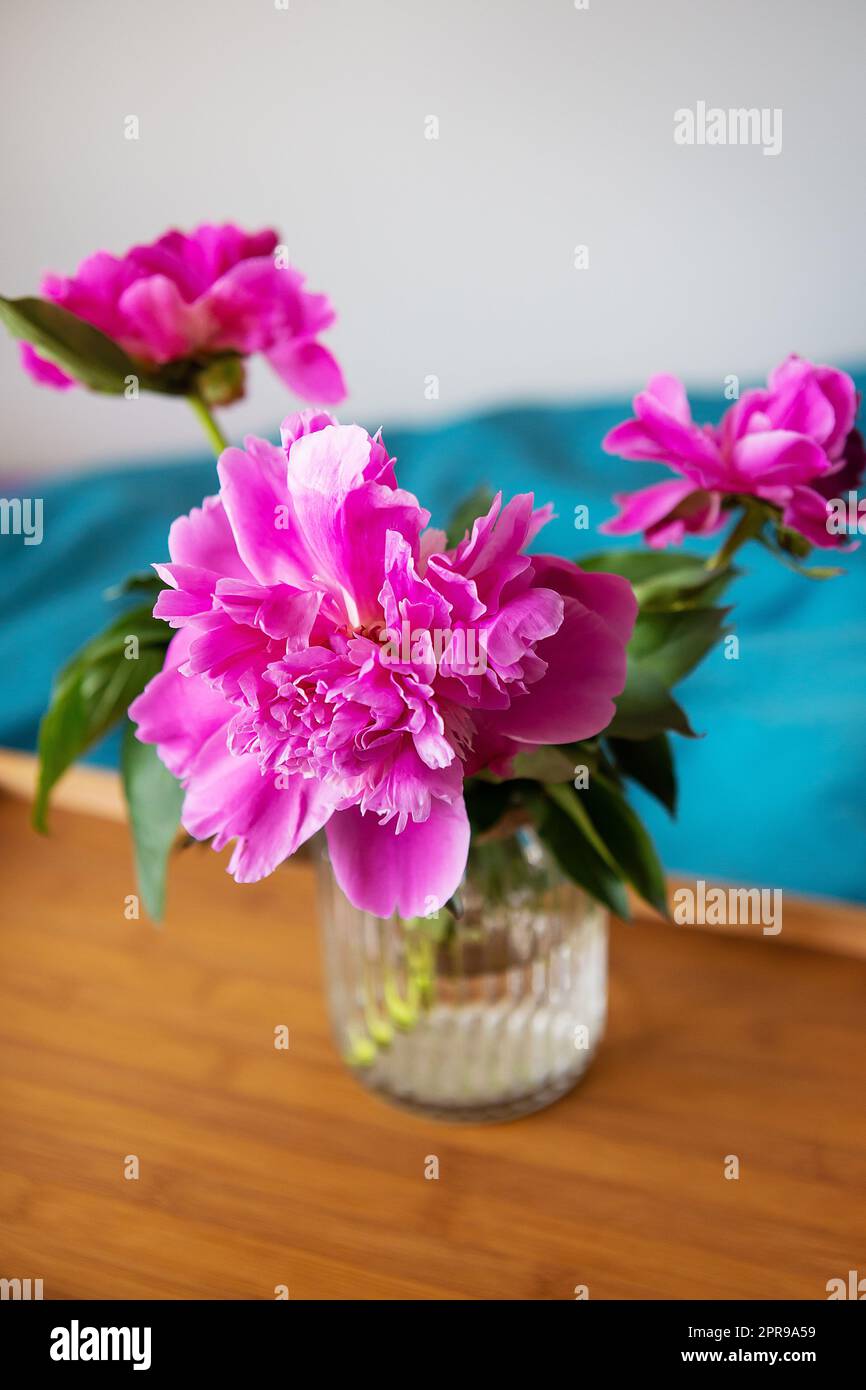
(261,1168)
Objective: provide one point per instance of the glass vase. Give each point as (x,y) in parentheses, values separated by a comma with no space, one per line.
(481,1016)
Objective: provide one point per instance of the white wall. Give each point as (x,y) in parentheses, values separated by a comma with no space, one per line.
(452,257)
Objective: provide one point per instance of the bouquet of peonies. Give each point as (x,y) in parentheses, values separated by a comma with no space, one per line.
(313,655)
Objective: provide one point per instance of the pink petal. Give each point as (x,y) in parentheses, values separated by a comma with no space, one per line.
(229,798)
(676,439)
(179,713)
(261,514)
(279,611)
(226,654)
(159,324)
(645,508)
(190,594)
(521,623)
(254,306)
(203,540)
(345,517)
(94,292)
(492,555)
(808,512)
(585,658)
(304,422)
(665,533)
(666,512)
(841,392)
(433,541)
(768,458)
(411,873)
(662,431)
(631,440)
(670,392)
(820,402)
(221,247)
(310,370)
(43,371)
(804,408)
(610,594)
(847,471)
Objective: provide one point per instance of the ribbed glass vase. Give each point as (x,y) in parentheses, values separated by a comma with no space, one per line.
(481,1017)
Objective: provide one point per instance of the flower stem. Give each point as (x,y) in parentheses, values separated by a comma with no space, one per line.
(215,436)
(748,526)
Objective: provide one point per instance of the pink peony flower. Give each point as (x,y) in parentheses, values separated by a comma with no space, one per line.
(215,290)
(782,444)
(326,671)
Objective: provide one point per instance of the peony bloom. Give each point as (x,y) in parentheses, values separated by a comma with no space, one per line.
(336,665)
(783,444)
(216,290)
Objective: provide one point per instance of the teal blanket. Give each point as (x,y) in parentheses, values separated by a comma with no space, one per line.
(773,795)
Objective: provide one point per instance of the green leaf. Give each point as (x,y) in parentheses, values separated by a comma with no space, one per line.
(94,691)
(75,346)
(141,583)
(792,542)
(646,707)
(671,644)
(486,803)
(96,360)
(574,807)
(576,854)
(664,647)
(689,588)
(154,799)
(584,753)
(817,572)
(626,840)
(663,579)
(545,764)
(650,763)
(641,566)
(477,504)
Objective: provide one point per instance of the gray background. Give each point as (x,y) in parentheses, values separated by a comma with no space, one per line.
(455,256)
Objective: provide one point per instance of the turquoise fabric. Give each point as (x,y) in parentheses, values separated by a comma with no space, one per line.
(773,795)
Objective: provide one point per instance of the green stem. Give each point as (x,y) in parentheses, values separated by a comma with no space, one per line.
(215,436)
(748,526)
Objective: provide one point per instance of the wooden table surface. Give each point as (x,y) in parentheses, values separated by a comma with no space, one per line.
(261,1168)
